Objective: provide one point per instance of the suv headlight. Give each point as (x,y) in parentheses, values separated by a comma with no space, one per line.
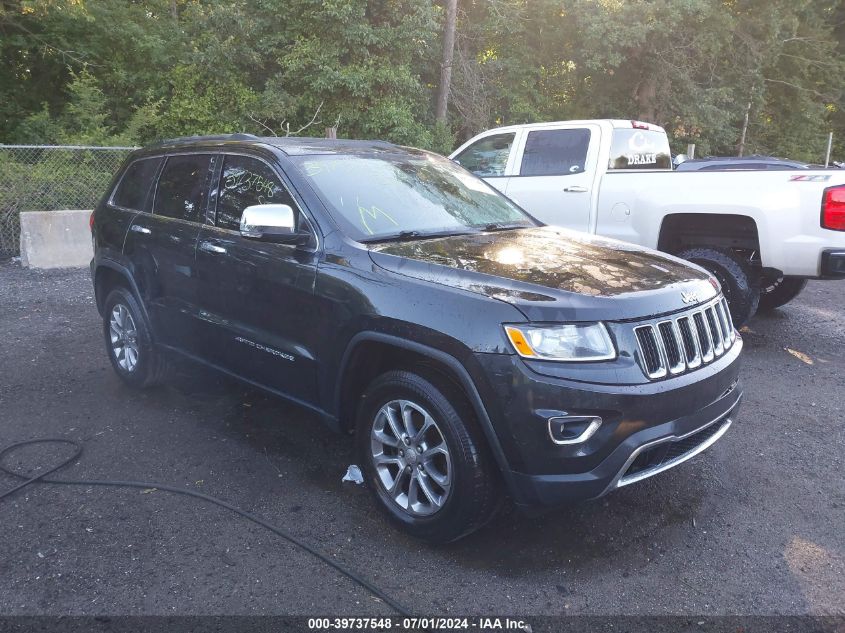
(567,342)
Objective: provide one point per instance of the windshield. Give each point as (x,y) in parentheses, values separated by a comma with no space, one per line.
(406,195)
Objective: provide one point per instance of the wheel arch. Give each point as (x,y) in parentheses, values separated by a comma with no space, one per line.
(108,275)
(371,353)
(679,231)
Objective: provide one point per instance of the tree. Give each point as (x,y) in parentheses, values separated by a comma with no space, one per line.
(446,64)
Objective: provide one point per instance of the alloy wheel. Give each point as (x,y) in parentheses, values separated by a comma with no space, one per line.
(124,337)
(411,457)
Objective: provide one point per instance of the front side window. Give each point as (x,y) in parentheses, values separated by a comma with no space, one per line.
(132,191)
(246,182)
(405,194)
(555,152)
(632,148)
(183,187)
(488,156)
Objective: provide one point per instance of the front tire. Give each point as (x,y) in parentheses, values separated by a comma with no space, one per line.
(424,458)
(134,357)
(740,283)
(776,292)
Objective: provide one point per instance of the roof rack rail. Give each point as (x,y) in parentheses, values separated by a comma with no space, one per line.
(238,136)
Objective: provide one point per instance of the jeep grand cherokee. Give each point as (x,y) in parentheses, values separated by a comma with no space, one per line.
(472,351)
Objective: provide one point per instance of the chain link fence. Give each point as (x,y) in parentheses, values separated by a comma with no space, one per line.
(49,178)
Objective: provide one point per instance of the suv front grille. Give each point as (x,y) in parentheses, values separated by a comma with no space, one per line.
(680,344)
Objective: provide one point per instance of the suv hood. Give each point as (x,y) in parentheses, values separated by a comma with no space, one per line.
(553,274)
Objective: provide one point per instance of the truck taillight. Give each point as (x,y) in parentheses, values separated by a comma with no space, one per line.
(833,208)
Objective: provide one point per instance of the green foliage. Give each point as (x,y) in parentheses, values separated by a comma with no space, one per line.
(127,72)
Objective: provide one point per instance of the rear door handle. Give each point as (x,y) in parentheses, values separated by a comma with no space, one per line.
(210,247)
(137,228)
(576,189)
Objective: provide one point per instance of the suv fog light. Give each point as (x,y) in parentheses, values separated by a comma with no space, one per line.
(573,429)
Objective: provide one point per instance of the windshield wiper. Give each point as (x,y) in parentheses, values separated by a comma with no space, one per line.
(501,226)
(403,236)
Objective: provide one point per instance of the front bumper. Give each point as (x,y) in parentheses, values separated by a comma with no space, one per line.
(646,428)
(623,467)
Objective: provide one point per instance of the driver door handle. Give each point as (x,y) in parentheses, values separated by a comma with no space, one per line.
(210,247)
(575,189)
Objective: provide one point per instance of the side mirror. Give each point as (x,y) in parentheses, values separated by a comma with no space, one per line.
(680,158)
(272,223)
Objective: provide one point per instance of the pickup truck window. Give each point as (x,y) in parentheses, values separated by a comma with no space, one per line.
(183,187)
(487,157)
(639,149)
(555,152)
(132,191)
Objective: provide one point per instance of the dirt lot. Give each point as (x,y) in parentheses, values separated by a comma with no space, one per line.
(755,525)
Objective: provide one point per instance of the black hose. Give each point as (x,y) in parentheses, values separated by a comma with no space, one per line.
(43,479)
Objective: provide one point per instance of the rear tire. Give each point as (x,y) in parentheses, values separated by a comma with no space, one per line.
(133,355)
(740,283)
(440,484)
(775,292)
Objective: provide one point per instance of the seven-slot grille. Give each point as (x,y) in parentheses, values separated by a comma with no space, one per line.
(683,343)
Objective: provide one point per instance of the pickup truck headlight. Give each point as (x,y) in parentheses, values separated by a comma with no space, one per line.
(574,342)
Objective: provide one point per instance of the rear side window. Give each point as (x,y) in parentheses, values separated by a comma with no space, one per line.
(132,191)
(245,182)
(555,152)
(488,156)
(182,188)
(639,149)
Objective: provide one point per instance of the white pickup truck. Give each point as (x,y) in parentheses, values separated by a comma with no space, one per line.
(762,234)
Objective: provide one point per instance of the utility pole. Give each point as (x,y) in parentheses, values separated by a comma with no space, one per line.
(446,65)
(744,129)
(829,147)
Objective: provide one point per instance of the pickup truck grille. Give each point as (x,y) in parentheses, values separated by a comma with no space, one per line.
(685,342)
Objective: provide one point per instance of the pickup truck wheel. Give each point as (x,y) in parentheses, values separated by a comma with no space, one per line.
(423,457)
(778,291)
(740,284)
(131,351)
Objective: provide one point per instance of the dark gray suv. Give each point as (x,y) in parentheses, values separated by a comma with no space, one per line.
(471,351)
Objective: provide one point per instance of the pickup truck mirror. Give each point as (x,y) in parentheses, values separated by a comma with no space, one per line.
(680,158)
(272,223)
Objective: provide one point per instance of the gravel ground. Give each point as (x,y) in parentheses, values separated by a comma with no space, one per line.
(755,525)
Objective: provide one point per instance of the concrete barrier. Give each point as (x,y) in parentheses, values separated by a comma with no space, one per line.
(55,239)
